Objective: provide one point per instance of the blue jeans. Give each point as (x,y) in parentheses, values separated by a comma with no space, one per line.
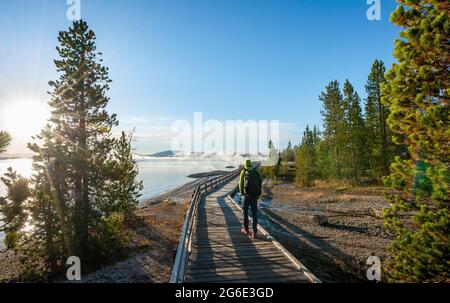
(252,203)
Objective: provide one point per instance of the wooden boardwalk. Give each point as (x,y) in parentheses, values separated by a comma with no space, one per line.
(220,253)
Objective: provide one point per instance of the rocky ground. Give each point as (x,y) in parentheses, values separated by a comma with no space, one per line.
(10,266)
(153,257)
(336,251)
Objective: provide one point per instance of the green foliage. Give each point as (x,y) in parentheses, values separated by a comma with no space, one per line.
(378,142)
(84,190)
(272,171)
(351,146)
(334,122)
(343,152)
(307,160)
(77,143)
(5,140)
(325,158)
(287,171)
(288,155)
(268,172)
(124,190)
(417,94)
(355,149)
(12,207)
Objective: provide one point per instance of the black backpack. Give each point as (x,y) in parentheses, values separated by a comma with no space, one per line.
(252,183)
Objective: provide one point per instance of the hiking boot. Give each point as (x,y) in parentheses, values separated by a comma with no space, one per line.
(244,232)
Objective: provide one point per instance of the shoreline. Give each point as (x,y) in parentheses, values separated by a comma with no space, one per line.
(178,193)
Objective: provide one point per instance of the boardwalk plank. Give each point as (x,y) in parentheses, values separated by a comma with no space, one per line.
(234,262)
(287,278)
(220,253)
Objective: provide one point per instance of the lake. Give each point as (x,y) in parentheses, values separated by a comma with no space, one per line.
(158,174)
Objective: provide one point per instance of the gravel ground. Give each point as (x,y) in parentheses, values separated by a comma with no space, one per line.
(338,250)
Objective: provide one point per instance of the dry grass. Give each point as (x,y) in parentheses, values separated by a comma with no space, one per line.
(165,219)
(337,251)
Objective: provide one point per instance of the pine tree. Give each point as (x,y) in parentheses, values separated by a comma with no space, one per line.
(84,184)
(46,239)
(12,207)
(324,155)
(125,190)
(50,205)
(355,131)
(5,140)
(334,123)
(316,135)
(81,127)
(288,154)
(306,160)
(417,94)
(376,114)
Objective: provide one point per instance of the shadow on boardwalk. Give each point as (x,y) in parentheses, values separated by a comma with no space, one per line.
(315,253)
(222,254)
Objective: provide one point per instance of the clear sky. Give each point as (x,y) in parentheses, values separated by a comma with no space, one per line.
(229,59)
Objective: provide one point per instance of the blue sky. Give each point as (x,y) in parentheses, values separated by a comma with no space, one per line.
(229,59)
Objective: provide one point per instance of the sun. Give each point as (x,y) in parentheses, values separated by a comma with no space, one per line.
(24,118)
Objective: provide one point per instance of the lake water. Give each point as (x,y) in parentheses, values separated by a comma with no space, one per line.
(158,174)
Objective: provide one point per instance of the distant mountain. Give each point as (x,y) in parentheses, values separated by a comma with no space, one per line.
(194,155)
(164,154)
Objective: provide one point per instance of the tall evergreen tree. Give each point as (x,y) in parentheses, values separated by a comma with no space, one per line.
(334,122)
(316,135)
(306,160)
(288,154)
(417,94)
(376,114)
(84,186)
(125,190)
(81,126)
(324,155)
(355,130)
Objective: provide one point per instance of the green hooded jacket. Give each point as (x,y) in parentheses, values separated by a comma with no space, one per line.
(248,166)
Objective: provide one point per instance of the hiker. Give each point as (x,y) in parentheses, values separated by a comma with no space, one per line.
(250,184)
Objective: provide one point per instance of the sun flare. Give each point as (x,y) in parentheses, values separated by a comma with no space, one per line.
(24,118)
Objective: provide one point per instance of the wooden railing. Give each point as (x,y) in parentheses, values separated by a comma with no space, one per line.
(184,247)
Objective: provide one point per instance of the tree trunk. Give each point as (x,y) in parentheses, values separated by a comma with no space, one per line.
(84,182)
(49,245)
(383,135)
(61,209)
(78,214)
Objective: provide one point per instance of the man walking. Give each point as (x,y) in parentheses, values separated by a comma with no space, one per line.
(250,184)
